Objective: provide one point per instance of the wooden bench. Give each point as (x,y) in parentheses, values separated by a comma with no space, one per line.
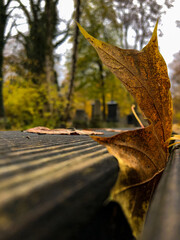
(55,187)
(51,185)
(163,219)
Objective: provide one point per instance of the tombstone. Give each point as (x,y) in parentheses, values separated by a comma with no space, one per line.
(113,112)
(81,119)
(96,114)
(131,120)
(96,110)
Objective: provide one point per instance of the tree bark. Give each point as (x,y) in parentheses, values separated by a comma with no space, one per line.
(51,22)
(39,46)
(74,60)
(2,113)
(103,97)
(3,20)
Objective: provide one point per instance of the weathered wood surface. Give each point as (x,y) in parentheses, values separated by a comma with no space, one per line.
(163,220)
(50,186)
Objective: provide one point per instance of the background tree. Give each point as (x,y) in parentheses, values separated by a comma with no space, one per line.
(4,15)
(77,5)
(137,18)
(90,73)
(41,41)
(175,85)
(175,82)
(31,93)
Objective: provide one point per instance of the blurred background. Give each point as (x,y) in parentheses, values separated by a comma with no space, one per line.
(51,76)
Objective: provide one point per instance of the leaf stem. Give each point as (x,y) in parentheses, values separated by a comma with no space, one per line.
(174,137)
(136,116)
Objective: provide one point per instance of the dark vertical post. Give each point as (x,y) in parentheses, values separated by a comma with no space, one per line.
(74,60)
(3,19)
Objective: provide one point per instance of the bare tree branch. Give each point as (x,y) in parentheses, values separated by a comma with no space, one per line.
(56,1)
(66,32)
(23,7)
(9,33)
(61,40)
(33,8)
(7,4)
(9,13)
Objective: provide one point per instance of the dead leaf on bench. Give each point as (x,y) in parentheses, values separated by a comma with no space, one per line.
(141,159)
(88,132)
(142,154)
(113,130)
(62,131)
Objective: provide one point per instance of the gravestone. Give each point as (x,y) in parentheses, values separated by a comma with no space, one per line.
(81,119)
(131,120)
(96,114)
(113,112)
(96,110)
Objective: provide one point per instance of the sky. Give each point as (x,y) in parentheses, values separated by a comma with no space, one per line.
(169,43)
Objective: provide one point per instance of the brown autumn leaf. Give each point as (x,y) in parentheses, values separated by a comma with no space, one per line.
(137,152)
(62,131)
(142,154)
(142,160)
(144,74)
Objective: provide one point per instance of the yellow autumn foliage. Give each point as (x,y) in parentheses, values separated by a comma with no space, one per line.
(28,105)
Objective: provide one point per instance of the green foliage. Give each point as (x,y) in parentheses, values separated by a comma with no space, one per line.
(90,89)
(175,85)
(93,80)
(117,92)
(28,105)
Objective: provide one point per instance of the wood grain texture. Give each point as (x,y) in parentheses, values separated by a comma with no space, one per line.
(50,186)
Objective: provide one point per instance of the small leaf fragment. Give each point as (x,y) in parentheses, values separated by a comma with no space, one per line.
(62,131)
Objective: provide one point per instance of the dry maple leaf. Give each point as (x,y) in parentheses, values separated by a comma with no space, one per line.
(144,74)
(142,154)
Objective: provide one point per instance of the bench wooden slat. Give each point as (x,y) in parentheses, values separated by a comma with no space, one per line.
(51,185)
(163,220)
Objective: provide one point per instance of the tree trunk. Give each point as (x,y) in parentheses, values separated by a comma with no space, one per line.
(103,97)
(2,114)
(3,19)
(74,60)
(51,21)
